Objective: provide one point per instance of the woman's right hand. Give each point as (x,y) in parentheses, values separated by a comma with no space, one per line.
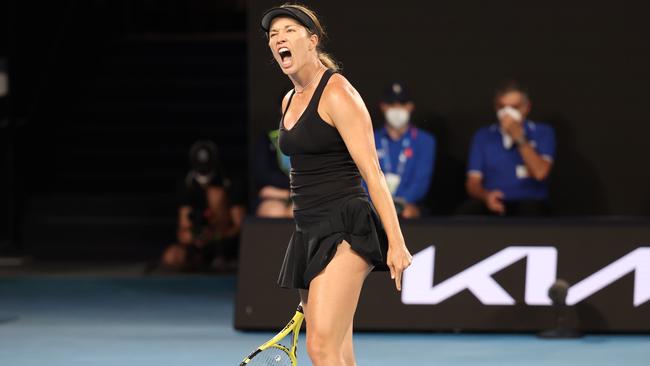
(398,260)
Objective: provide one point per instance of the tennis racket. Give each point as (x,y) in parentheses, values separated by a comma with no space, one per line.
(274,353)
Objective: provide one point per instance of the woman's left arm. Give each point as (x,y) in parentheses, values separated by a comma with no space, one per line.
(346,111)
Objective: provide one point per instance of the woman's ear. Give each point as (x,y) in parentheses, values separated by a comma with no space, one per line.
(313,40)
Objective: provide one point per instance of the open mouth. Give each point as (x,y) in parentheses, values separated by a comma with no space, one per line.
(285,57)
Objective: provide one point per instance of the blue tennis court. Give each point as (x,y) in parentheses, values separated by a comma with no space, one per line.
(187,320)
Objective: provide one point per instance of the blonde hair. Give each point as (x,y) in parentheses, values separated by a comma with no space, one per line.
(324,57)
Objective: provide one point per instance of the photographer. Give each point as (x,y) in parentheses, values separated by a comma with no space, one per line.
(209,217)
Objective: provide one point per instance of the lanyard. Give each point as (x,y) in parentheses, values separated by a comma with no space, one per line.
(401,161)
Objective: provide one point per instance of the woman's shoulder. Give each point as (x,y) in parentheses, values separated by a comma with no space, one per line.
(341,102)
(339,89)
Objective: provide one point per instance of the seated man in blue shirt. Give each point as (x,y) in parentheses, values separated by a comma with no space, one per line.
(406,153)
(509,162)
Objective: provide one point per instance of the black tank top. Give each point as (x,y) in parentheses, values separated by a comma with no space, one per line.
(322,170)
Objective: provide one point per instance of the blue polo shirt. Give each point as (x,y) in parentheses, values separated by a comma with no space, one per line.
(503,168)
(417,149)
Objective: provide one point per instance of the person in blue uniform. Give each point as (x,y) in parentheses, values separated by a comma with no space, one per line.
(272,178)
(340,236)
(272,174)
(510,161)
(406,153)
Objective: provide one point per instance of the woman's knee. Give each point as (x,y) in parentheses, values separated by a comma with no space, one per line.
(322,348)
(315,347)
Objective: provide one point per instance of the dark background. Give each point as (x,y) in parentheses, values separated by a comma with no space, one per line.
(586,64)
(106,99)
(5,140)
(107,96)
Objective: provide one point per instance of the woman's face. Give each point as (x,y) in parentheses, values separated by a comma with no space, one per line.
(291,44)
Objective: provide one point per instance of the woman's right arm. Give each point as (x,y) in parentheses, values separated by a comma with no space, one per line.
(349,115)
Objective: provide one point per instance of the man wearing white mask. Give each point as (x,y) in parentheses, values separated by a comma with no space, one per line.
(406,153)
(509,162)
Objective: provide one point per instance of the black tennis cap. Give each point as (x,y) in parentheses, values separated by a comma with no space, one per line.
(396,92)
(290,12)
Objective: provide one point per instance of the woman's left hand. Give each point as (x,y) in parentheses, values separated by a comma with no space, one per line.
(398,260)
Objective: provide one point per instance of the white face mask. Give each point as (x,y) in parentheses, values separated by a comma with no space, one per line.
(515,115)
(511,112)
(397,117)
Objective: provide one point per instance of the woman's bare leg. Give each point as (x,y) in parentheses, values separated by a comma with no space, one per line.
(329,308)
(348,348)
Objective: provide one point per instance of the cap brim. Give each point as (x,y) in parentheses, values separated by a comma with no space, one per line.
(268,17)
(271,14)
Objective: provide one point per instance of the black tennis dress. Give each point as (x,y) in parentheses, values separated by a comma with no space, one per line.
(330,204)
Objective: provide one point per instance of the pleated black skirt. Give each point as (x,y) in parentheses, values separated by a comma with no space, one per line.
(319,232)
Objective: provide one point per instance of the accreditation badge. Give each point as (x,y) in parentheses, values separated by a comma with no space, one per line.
(522,172)
(392,180)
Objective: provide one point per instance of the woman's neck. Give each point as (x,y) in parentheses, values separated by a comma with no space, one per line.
(304,78)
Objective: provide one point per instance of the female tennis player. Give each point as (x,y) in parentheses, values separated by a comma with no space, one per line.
(327,132)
